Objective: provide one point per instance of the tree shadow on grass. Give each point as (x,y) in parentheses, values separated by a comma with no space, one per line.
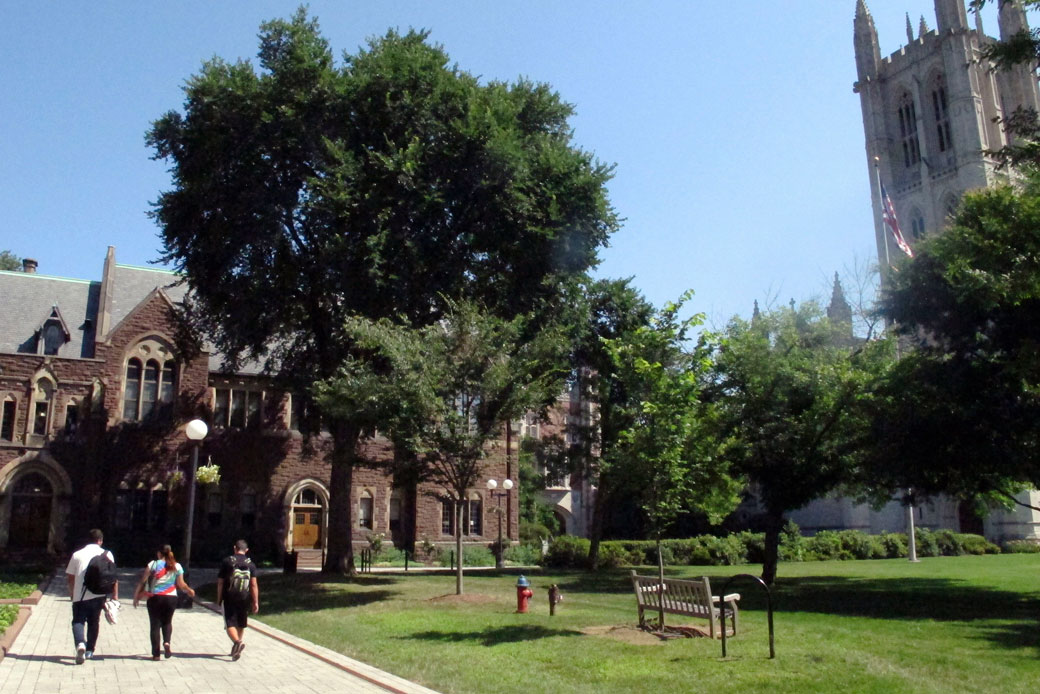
(293,592)
(494,636)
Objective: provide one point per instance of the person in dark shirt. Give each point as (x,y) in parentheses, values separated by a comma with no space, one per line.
(239,594)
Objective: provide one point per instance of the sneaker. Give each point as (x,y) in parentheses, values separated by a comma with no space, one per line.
(155,657)
(81,650)
(89,655)
(166,650)
(236,651)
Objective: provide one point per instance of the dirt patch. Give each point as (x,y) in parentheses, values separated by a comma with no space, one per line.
(624,633)
(465,599)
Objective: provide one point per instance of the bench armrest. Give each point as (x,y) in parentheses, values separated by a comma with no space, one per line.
(726,598)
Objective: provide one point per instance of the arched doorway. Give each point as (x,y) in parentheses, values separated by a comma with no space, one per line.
(308,519)
(31,501)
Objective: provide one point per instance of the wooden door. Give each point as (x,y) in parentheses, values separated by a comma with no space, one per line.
(307,528)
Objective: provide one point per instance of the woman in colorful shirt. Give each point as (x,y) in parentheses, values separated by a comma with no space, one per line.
(159,583)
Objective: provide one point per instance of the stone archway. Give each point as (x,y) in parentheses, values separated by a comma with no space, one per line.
(34,504)
(307,503)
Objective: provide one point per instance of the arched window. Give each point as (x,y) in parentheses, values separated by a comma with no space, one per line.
(7,415)
(916,225)
(474,515)
(941,114)
(365,510)
(42,397)
(908,130)
(150,384)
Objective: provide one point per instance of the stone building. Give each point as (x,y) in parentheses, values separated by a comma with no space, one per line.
(931,113)
(97,381)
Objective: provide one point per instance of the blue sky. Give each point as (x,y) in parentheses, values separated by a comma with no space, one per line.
(738,142)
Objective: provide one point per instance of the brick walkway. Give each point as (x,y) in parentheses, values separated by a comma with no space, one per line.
(42,659)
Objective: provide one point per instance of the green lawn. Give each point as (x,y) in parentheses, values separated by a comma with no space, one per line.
(958,624)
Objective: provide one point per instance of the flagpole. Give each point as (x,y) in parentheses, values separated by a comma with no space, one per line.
(911,539)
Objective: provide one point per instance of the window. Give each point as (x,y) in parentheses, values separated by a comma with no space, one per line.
(42,397)
(474,515)
(149,389)
(365,508)
(395,511)
(7,415)
(236,407)
(448,517)
(942,116)
(140,509)
(214,509)
(53,337)
(917,225)
(307,497)
(71,418)
(530,426)
(247,507)
(908,130)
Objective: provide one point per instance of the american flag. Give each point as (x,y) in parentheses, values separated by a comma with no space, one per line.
(888,213)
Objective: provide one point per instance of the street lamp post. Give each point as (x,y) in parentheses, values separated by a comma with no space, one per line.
(195,430)
(492,486)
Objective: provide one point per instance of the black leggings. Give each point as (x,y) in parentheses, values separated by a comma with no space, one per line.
(160,618)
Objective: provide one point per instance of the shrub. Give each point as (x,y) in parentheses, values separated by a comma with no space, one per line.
(926,543)
(567,552)
(471,556)
(894,545)
(792,544)
(525,555)
(612,555)
(977,544)
(1021,546)
(531,533)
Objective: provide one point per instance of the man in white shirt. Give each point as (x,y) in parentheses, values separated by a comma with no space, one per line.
(86,606)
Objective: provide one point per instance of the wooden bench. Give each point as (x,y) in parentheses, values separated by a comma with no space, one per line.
(687,598)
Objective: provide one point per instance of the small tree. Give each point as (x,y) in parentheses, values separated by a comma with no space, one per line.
(790,393)
(9,261)
(664,445)
(443,392)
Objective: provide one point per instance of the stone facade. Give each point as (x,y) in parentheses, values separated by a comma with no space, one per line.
(82,446)
(930,115)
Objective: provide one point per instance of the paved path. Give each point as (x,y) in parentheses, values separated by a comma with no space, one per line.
(42,659)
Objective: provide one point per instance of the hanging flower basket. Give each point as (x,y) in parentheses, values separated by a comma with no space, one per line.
(208,474)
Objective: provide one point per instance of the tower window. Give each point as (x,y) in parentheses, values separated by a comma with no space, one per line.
(908,130)
(942,116)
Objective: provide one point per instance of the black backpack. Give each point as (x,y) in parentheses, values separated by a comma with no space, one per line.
(239,579)
(100,576)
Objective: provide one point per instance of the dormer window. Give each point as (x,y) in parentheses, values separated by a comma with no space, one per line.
(52,334)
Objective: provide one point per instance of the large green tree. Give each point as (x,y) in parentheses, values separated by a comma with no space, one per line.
(791,393)
(960,412)
(442,393)
(307,192)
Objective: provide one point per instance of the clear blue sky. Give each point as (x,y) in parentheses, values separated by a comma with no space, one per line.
(737,139)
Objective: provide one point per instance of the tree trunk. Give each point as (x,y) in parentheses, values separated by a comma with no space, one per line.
(660,583)
(774,525)
(599,511)
(340,555)
(458,548)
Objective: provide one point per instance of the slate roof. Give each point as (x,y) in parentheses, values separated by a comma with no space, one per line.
(26,301)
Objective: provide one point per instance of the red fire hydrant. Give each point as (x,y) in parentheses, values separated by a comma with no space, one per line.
(523,594)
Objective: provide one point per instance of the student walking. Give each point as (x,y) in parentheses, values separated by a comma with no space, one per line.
(158,585)
(239,594)
(91,576)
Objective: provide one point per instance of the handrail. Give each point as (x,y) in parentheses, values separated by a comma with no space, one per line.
(769,609)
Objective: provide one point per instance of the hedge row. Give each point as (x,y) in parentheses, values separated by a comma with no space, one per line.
(748,548)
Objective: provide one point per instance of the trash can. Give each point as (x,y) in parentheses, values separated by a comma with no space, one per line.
(289,562)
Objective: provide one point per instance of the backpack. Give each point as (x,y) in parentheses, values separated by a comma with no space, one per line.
(239,578)
(100,576)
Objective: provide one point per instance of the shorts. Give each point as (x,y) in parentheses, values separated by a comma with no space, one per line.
(236,613)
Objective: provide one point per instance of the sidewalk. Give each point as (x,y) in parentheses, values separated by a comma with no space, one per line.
(42,659)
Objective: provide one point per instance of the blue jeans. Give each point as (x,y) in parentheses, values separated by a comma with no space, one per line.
(87,613)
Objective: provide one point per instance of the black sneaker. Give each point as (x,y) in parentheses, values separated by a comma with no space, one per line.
(236,651)
(166,650)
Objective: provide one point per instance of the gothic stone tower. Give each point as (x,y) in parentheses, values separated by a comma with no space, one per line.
(928,114)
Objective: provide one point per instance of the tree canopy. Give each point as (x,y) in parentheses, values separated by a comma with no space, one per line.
(960,412)
(9,261)
(307,192)
(790,390)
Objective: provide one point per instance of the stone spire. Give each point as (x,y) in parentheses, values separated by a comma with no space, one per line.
(839,310)
(1011,18)
(865,40)
(923,29)
(909,30)
(950,15)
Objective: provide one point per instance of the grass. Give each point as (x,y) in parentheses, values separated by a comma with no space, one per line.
(15,585)
(962,624)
